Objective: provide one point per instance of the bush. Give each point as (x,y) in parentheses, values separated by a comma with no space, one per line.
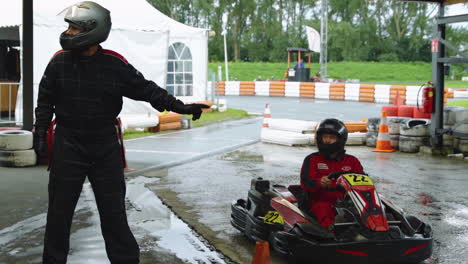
(388,57)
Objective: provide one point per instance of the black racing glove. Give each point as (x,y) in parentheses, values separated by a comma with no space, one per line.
(189,109)
(334,175)
(40,142)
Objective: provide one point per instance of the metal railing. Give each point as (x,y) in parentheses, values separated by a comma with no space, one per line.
(8,96)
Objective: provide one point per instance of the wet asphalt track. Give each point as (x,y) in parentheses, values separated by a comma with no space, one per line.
(199,172)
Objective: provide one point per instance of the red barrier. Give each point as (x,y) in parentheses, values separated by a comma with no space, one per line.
(406,111)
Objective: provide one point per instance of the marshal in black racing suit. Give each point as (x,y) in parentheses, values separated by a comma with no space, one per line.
(85,93)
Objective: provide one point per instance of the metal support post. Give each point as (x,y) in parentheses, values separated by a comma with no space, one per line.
(438,51)
(27,65)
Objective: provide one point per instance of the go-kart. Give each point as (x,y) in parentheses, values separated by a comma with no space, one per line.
(368,228)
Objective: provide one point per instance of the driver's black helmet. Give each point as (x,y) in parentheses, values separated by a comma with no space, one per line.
(331,126)
(94,21)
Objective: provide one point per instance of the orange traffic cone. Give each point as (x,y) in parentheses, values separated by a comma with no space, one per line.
(383,139)
(266,116)
(262,253)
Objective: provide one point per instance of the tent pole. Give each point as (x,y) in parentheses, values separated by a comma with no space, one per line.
(225,57)
(28,91)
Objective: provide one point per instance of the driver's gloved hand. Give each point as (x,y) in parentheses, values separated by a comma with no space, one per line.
(189,109)
(40,142)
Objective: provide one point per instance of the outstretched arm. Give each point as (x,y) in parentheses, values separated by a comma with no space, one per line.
(138,88)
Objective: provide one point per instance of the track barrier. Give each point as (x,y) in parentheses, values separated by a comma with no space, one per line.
(372,93)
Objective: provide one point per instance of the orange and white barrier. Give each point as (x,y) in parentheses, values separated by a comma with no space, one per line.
(322,91)
(352,91)
(382,93)
(262,88)
(220,88)
(398,90)
(307,89)
(412,93)
(337,91)
(366,93)
(292,89)
(247,89)
(277,88)
(460,93)
(377,93)
(233,88)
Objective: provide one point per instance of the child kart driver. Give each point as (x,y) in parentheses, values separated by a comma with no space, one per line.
(322,192)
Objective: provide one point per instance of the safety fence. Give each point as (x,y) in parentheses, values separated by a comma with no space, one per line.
(8,95)
(374,93)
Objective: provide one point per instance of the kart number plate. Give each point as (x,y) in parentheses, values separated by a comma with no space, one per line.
(358,179)
(273,217)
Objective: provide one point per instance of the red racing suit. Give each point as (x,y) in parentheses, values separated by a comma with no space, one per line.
(322,200)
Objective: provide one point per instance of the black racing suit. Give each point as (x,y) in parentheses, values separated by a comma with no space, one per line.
(85,93)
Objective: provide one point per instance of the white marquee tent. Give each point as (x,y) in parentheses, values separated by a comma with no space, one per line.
(163,49)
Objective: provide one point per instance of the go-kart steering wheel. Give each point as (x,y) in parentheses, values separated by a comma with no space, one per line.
(334,175)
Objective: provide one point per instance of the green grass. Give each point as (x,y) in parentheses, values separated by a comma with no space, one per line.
(456,84)
(206,119)
(374,72)
(215,117)
(128,134)
(463,103)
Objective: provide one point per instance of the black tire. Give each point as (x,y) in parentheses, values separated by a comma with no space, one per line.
(371,138)
(415,128)
(373,124)
(411,144)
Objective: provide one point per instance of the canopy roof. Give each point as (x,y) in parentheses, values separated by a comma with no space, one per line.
(444,2)
(294,49)
(135,14)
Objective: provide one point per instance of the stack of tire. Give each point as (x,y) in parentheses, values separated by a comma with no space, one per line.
(449,122)
(414,133)
(16,148)
(372,131)
(460,131)
(373,123)
(394,124)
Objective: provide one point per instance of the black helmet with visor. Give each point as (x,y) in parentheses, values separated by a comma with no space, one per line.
(335,127)
(92,19)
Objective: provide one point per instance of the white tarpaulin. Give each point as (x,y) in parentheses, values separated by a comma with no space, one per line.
(314,39)
(140,33)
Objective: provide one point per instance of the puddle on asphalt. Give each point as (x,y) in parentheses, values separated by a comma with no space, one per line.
(242,156)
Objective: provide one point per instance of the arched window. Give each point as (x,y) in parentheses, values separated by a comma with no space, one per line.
(179,70)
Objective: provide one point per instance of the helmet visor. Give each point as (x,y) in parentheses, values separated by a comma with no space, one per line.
(78,16)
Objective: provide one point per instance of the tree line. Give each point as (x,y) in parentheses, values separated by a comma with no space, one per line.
(358,30)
